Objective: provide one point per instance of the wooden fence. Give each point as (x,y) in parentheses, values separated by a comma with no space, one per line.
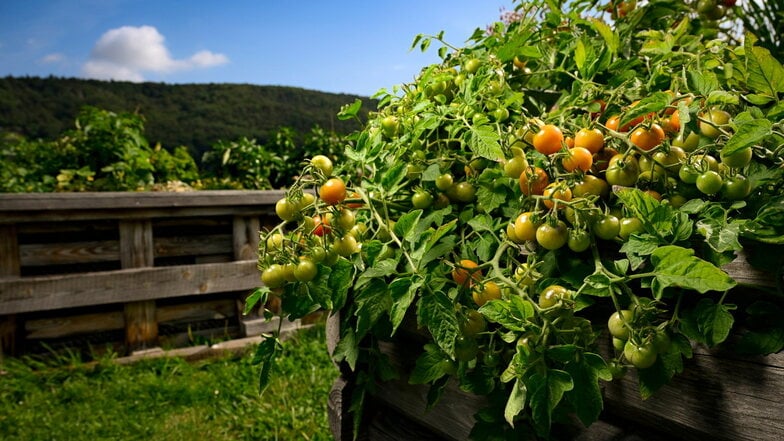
(144,267)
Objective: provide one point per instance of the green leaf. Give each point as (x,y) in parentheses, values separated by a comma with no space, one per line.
(721,236)
(586,397)
(339,282)
(722,97)
(580,56)
(515,403)
(266,355)
(403,292)
(653,103)
(429,366)
(769,341)
(436,312)
(373,301)
(347,348)
(708,323)
(702,82)
(349,111)
(610,37)
(545,392)
(597,284)
(509,314)
(678,266)
(748,134)
(259,295)
(393,176)
(407,222)
(484,142)
(765,74)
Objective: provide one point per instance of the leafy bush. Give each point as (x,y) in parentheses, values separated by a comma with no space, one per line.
(568,173)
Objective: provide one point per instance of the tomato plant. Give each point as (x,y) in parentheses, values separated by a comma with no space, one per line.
(524,231)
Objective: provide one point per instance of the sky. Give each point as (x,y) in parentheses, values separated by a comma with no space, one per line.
(340,46)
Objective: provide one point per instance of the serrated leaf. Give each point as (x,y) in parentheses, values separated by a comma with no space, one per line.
(597,284)
(373,301)
(266,354)
(258,296)
(347,348)
(515,403)
(403,292)
(586,396)
(748,134)
(350,110)
(436,312)
(722,97)
(765,74)
(339,282)
(610,37)
(708,323)
(677,266)
(702,82)
(545,392)
(511,315)
(653,103)
(484,142)
(406,224)
(429,366)
(721,236)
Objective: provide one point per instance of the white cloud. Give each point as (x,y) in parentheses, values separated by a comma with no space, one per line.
(126,53)
(52,58)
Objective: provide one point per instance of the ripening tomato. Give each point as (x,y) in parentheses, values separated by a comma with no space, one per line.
(321,225)
(557,190)
(607,227)
(623,170)
(486,292)
(306,270)
(712,123)
(322,163)
(591,139)
(526,225)
(579,240)
(590,185)
(577,158)
(618,323)
(552,236)
(647,138)
(466,272)
(533,181)
(274,276)
(551,295)
(333,191)
(515,166)
(548,140)
(286,210)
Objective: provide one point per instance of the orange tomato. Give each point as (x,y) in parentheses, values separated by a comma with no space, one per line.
(548,139)
(533,181)
(578,158)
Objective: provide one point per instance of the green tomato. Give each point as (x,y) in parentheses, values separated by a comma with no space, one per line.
(618,323)
(552,237)
(462,192)
(641,356)
(629,226)
(607,227)
(736,188)
(286,210)
(515,166)
(579,240)
(709,182)
(421,199)
(444,182)
(466,348)
(622,170)
(552,295)
(306,270)
(274,276)
(322,163)
(738,159)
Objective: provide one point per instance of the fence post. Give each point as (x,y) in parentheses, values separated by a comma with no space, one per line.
(136,251)
(10,267)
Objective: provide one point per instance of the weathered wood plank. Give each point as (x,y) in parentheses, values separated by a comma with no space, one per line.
(136,251)
(14,202)
(714,398)
(44,254)
(194,312)
(130,214)
(66,326)
(72,290)
(9,269)
(246,237)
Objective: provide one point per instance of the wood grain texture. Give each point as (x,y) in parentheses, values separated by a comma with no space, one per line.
(246,237)
(9,252)
(72,290)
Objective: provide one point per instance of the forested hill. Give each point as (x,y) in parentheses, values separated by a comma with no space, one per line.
(194,115)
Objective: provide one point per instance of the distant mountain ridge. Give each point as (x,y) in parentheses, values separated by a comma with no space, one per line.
(194,115)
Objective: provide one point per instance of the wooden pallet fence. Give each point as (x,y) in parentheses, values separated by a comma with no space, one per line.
(73,264)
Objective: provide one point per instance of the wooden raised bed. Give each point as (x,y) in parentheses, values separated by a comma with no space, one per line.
(719,396)
(142,268)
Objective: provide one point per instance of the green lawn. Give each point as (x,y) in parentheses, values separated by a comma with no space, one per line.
(170,399)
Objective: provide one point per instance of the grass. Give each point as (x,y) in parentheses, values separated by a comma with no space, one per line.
(169,399)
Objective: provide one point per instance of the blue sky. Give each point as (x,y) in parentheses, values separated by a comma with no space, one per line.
(351,46)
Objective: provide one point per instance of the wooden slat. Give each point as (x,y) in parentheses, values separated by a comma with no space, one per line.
(194,312)
(9,251)
(72,290)
(123,200)
(246,237)
(714,398)
(43,254)
(66,326)
(136,251)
